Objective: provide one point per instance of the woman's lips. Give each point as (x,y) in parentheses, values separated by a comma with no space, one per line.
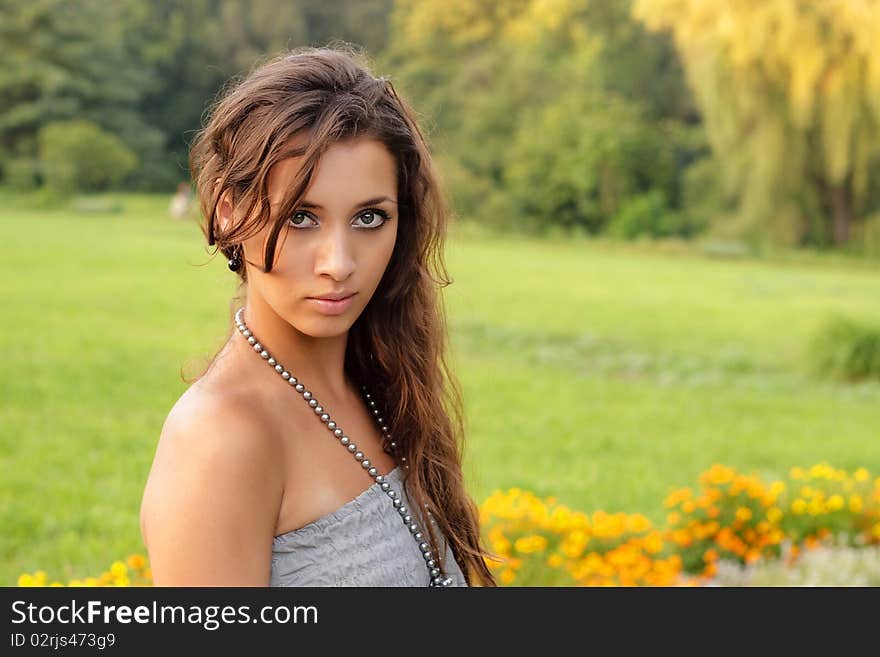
(331,307)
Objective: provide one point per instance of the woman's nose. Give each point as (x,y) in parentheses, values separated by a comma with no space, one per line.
(335,256)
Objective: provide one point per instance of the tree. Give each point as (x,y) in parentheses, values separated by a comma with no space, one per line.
(61,60)
(77,155)
(790,93)
(147,71)
(580,158)
(192,49)
(498,80)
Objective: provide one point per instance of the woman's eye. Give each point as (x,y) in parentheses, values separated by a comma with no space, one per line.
(298,219)
(372,218)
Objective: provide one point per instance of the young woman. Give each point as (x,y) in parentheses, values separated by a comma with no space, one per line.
(323,445)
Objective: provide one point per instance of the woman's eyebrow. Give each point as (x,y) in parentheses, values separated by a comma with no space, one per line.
(369,201)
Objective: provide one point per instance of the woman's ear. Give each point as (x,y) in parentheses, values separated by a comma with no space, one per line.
(225,213)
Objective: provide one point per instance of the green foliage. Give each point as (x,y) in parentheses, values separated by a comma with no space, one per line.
(579,160)
(63,61)
(705,198)
(146,71)
(866,237)
(546,114)
(847,349)
(79,156)
(194,48)
(649,215)
(22,174)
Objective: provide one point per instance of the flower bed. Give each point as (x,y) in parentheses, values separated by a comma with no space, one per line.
(729,519)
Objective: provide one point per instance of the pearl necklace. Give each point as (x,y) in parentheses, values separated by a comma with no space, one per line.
(437,576)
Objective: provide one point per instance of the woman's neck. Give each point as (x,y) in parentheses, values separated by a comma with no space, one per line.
(318,362)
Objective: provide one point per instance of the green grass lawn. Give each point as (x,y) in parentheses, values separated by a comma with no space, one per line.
(602,374)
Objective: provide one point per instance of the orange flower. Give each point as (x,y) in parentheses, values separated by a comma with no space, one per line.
(752,555)
(136,562)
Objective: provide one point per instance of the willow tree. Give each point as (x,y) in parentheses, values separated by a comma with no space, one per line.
(790,94)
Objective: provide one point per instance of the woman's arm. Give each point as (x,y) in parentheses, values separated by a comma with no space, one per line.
(211,501)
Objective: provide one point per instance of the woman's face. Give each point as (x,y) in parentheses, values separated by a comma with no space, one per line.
(336,244)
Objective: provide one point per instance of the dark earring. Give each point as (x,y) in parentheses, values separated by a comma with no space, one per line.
(235,260)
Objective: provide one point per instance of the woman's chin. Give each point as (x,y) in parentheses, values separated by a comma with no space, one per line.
(326,327)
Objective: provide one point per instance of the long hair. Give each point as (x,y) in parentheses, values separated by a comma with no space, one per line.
(398,345)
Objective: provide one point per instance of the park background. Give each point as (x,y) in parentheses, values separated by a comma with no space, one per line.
(666,256)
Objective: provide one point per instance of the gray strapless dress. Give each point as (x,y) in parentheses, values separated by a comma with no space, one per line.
(362,543)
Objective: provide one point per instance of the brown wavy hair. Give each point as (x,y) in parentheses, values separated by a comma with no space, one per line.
(397,347)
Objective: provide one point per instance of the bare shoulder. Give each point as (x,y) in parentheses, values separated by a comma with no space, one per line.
(211,500)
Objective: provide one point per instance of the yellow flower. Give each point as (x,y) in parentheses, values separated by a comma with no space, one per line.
(677,496)
(637,523)
(718,474)
(573,545)
(855,503)
(799,506)
(861,475)
(822,471)
(560,518)
(25,580)
(507,576)
(653,542)
(835,502)
(797,473)
(755,490)
(500,547)
(740,483)
(774,514)
(529,544)
(56,584)
(743,513)
(118,569)
(554,560)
